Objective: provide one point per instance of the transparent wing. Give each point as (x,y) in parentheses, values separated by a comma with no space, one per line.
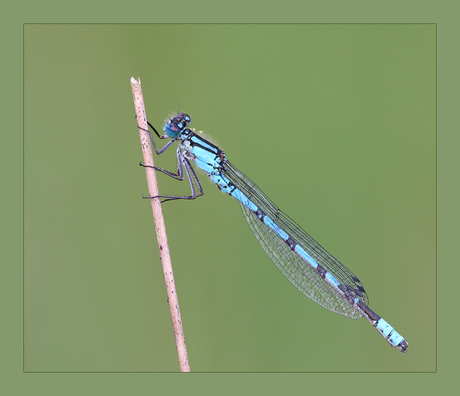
(293,266)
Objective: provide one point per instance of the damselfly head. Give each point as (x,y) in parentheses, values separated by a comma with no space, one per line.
(176,125)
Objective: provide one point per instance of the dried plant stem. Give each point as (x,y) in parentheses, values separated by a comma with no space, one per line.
(160,226)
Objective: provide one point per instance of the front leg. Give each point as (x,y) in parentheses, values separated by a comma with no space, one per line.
(163,149)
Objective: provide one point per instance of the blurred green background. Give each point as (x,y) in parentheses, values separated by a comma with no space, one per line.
(336,124)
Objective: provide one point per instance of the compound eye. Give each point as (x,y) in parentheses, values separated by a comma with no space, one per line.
(182,120)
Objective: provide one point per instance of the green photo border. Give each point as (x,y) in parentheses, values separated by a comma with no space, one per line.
(440,13)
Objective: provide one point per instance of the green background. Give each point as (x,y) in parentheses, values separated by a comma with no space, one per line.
(336,124)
